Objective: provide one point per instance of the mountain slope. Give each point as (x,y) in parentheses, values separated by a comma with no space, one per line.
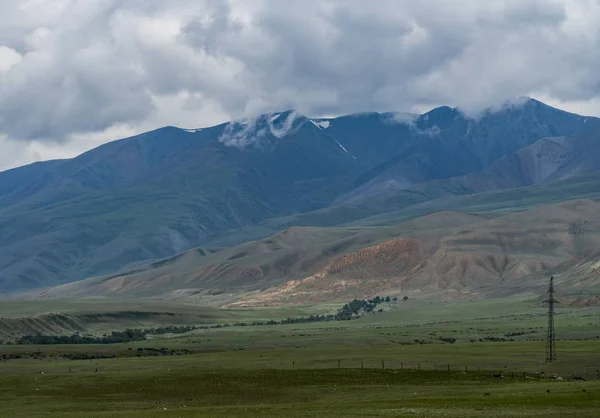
(545,161)
(150,199)
(447,255)
(506,255)
(453,145)
(371,137)
(249,267)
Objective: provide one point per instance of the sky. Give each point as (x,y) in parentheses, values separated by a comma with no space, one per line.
(78,73)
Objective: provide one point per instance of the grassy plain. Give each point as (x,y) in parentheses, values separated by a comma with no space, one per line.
(99,315)
(292,370)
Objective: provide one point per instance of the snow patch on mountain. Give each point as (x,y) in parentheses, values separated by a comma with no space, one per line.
(342,147)
(193,130)
(322,124)
(345,150)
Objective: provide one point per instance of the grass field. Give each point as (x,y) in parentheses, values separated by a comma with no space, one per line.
(60,317)
(29,308)
(389,364)
(185,390)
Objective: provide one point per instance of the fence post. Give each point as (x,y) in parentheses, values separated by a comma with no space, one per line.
(466,369)
(382,365)
(293,364)
(448,368)
(362,364)
(401,366)
(338,364)
(434,367)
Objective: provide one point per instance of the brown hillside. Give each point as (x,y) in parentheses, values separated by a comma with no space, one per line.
(254,267)
(448,254)
(368,271)
(508,254)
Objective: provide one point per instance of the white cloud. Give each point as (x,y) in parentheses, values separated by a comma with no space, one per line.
(73,73)
(8,58)
(250,131)
(16,153)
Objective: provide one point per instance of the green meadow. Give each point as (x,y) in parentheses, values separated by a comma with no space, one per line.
(467,359)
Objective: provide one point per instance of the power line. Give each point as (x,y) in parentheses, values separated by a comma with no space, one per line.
(551,337)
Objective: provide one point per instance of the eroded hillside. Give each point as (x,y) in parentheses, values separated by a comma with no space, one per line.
(444,255)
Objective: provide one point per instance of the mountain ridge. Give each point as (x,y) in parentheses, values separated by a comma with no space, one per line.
(153,195)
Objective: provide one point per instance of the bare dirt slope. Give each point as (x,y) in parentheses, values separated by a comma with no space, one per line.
(506,255)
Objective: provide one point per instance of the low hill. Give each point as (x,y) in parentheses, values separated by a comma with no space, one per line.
(248,268)
(443,255)
(511,254)
(66,317)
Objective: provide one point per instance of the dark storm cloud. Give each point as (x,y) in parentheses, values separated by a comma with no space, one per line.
(73,66)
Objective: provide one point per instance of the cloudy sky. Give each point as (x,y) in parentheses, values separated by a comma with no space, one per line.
(77,73)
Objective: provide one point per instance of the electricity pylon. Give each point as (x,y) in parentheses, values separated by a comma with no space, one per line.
(551,338)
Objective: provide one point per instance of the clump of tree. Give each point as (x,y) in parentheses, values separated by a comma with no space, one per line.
(357,307)
(495,339)
(114,337)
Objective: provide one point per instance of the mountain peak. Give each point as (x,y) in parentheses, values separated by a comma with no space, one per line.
(265,127)
(528,105)
(441,117)
(523,101)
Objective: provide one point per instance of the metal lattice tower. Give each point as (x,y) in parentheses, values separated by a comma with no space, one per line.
(551,339)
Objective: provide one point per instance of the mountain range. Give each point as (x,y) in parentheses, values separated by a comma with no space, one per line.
(187,213)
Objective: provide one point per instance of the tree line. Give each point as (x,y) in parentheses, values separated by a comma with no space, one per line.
(349,311)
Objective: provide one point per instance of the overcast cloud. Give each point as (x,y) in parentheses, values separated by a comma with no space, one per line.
(77,73)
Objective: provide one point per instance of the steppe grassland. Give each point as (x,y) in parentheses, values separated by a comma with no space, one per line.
(292,369)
